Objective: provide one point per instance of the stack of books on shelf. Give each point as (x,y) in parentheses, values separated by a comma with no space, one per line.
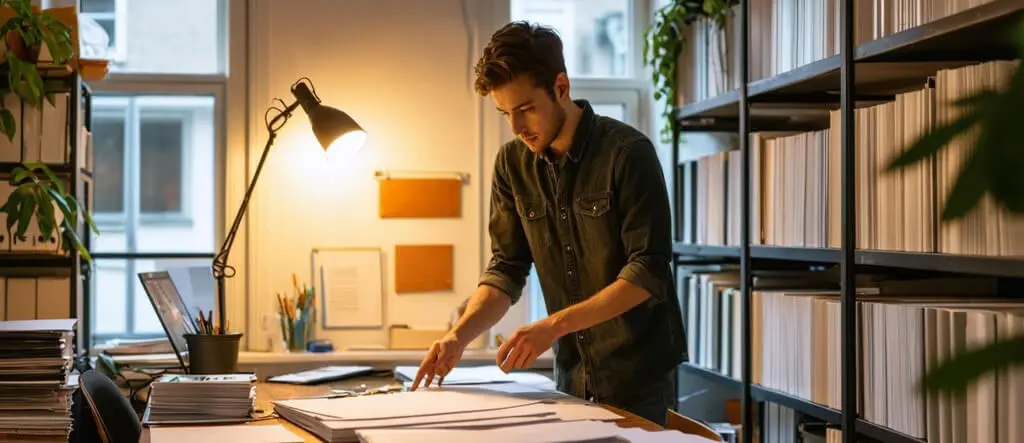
(906,327)
(194,398)
(796,188)
(36,384)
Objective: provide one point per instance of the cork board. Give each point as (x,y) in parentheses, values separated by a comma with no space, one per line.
(423,268)
(420,197)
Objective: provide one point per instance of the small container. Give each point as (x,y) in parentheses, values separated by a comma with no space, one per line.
(213,354)
(295,334)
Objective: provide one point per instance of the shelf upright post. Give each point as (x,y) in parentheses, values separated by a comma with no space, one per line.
(848,303)
(745,265)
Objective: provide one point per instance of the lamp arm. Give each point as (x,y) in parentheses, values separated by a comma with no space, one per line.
(221,269)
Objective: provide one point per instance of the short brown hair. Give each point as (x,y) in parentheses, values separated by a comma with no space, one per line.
(520,48)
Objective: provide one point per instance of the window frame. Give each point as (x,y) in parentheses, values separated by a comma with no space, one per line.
(129,85)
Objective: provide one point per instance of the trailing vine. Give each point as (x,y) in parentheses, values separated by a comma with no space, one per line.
(664,41)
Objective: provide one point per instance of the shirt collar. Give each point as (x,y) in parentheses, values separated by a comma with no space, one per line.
(580,138)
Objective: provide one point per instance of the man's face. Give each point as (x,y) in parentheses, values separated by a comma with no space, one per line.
(534,116)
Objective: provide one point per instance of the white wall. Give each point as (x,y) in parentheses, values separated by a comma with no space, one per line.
(402,70)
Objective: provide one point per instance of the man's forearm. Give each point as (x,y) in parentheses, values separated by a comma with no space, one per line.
(485,308)
(612,301)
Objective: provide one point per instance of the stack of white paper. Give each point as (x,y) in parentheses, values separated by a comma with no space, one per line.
(553,432)
(35,379)
(339,419)
(192,398)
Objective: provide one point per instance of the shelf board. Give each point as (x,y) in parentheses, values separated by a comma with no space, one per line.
(710,375)
(807,407)
(64,169)
(801,99)
(922,261)
(32,264)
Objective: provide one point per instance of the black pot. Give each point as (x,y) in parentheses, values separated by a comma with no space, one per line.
(213,354)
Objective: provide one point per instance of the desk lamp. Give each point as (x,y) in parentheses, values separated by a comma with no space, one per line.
(334,129)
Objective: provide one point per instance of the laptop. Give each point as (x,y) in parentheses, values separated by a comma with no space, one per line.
(171,310)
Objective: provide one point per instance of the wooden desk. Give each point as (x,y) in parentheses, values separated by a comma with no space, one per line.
(268,392)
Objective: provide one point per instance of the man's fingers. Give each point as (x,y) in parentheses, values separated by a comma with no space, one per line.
(513,355)
(528,362)
(505,348)
(522,356)
(427,365)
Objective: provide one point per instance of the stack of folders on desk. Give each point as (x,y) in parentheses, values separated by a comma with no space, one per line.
(493,413)
(194,398)
(36,357)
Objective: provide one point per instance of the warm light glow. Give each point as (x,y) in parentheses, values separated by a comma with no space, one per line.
(348,144)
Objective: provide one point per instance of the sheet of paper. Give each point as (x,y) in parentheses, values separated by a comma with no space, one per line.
(406,404)
(554,432)
(462,375)
(666,436)
(349,282)
(253,433)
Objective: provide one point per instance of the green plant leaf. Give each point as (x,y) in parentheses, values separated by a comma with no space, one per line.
(20,174)
(54,180)
(931,143)
(969,187)
(7,124)
(26,211)
(45,218)
(955,375)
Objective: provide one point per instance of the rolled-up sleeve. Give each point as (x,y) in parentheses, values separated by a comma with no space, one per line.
(510,253)
(646,219)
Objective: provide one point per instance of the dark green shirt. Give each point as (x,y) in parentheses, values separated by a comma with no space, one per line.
(598,214)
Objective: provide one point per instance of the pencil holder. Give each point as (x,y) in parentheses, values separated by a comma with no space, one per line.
(295,333)
(213,354)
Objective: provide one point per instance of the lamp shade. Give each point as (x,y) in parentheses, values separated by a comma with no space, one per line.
(333,128)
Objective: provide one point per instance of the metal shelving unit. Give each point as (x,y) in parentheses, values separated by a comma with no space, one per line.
(33,264)
(800,100)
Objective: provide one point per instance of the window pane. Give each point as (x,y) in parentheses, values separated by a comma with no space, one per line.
(160,36)
(595,33)
(168,159)
(161,169)
(119,305)
(613,110)
(97,6)
(108,159)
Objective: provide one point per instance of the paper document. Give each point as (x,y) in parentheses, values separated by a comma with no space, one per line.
(554,432)
(462,376)
(254,433)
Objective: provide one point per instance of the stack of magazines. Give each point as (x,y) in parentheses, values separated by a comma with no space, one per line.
(196,398)
(36,384)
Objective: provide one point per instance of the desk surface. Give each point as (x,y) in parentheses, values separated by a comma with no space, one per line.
(268,392)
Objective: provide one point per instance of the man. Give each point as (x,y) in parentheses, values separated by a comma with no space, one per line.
(583,198)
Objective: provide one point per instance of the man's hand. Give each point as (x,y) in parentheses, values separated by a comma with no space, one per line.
(440,360)
(526,344)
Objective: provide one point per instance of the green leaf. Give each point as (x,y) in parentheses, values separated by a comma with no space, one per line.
(46,219)
(9,126)
(54,180)
(931,143)
(955,375)
(19,174)
(27,210)
(970,186)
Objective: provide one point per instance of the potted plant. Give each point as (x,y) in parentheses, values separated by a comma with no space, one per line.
(26,31)
(664,41)
(39,193)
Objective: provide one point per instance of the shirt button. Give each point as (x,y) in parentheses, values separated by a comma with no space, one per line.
(568,248)
(579,337)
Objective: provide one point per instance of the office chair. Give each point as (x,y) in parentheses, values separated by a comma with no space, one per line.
(109,417)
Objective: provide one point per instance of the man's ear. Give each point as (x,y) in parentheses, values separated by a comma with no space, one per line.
(562,86)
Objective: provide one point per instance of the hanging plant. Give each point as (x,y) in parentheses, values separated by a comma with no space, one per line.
(664,42)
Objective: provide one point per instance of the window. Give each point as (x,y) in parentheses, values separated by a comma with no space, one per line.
(157,127)
(602,58)
(596,34)
(155,36)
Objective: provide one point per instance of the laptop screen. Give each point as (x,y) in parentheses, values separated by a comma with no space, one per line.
(170,309)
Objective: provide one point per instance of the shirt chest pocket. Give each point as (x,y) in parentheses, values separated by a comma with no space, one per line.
(533,215)
(597,222)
